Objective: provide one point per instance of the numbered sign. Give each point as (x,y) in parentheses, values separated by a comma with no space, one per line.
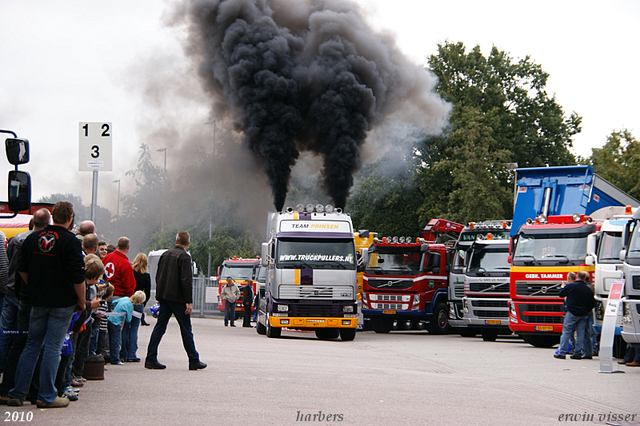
(95,147)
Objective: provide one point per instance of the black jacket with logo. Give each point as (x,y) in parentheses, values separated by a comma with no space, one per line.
(173,279)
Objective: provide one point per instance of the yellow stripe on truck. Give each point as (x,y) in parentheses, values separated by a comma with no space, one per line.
(296,277)
(313,322)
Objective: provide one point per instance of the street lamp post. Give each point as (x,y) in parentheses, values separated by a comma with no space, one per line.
(118,207)
(164,180)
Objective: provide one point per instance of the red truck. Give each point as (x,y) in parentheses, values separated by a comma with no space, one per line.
(241,270)
(405,280)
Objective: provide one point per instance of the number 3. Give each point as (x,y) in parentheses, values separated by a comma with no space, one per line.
(95,151)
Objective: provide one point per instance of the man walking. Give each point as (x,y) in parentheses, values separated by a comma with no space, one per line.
(580,302)
(174,294)
(230,293)
(52,268)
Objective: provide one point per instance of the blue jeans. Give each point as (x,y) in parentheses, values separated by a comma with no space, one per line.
(130,336)
(229,312)
(164,315)
(573,322)
(115,341)
(47,328)
(9,322)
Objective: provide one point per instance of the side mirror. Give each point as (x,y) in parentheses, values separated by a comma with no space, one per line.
(592,241)
(19,191)
(17,150)
(509,259)
(589,260)
(264,254)
(365,257)
(623,255)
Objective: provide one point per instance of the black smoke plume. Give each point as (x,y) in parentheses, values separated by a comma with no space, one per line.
(304,75)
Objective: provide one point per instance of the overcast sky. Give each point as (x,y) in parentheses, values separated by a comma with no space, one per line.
(74,61)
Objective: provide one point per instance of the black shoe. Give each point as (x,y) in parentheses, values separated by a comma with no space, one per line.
(198,366)
(559,356)
(232,325)
(587,357)
(576,356)
(154,365)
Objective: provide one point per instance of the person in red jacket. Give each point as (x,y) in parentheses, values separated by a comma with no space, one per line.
(119,270)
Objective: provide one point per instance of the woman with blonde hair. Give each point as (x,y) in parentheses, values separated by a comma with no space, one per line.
(130,331)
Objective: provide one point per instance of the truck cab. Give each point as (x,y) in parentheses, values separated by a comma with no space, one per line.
(631,300)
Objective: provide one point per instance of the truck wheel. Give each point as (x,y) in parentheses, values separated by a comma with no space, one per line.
(347,334)
(327,333)
(440,320)
(541,341)
(261,329)
(381,324)
(489,334)
(273,331)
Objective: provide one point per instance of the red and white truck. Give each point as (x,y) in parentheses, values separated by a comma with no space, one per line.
(405,280)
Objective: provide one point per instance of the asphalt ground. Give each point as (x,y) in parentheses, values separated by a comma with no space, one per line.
(400,378)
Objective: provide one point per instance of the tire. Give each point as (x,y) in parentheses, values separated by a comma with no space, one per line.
(347,334)
(273,331)
(541,341)
(440,321)
(489,334)
(327,333)
(467,331)
(261,329)
(381,324)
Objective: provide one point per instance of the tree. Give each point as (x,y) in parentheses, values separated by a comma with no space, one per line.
(103,217)
(528,124)
(618,161)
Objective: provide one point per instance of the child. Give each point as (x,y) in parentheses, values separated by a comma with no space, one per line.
(101,340)
(121,306)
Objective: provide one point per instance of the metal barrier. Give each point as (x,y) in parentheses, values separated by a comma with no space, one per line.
(205,296)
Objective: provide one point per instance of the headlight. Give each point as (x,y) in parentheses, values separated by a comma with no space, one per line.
(309,208)
(319,208)
(347,309)
(283,308)
(328,208)
(300,208)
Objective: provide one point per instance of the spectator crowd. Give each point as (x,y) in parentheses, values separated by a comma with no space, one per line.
(68,297)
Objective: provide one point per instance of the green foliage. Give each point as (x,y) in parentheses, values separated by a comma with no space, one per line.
(618,161)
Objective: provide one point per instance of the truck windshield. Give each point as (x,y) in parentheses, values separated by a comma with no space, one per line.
(560,248)
(394,262)
(316,253)
(489,261)
(634,245)
(610,246)
(236,272)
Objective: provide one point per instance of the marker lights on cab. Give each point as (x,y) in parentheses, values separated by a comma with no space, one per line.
(628,210)
(310,208)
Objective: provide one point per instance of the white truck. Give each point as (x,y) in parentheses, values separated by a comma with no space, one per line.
(310,260)
(631,300)
(486,288)
(604,248)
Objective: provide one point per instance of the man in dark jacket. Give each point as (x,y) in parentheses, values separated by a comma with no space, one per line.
(247,301)
(174,294)
(580,302)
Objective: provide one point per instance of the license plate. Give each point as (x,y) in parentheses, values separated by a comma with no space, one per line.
(495,322)
(389,312)
(544,328)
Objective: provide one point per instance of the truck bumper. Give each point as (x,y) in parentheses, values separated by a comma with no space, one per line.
(535,317)
(394,313)
(486,311)
(313,323)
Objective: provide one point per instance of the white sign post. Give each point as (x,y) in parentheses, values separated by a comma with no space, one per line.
(609,328)
(95,154)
